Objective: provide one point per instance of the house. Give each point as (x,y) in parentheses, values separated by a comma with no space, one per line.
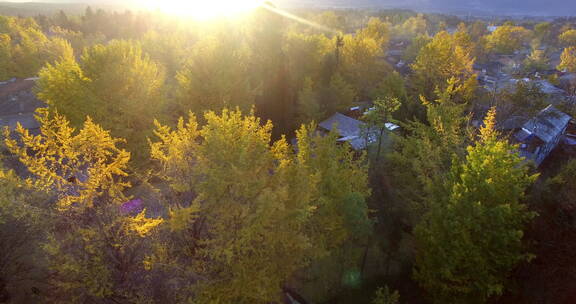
(492,69)
(358,109)
(510,63)
(541,134)
(570,138)
(548,88)
(394,57)
(555,58)
(568,81)
(349,129)
(18,104)
(352,130)
(492,28)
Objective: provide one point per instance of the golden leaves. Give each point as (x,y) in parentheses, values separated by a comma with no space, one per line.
(76,166)
(143,225)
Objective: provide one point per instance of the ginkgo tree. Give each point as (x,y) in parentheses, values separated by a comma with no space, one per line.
(24,48)
(421,161)
(94,239)
(21,226)
(214,76)
(116,84)
(260,211)
(471,239)
(442,59)
(568,59)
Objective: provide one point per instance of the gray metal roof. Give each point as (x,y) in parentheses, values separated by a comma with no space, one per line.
(27,121)
(18,103)
(547,88)
(349,129)
(548,124)
(346,126)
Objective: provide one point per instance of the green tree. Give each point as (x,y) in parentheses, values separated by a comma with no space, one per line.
(339,95)
(115,84)
(420,162)
(568,60)
(215,77)
(309,107)
(270,70)
(562,187)
(78,40)
(21,232)
(341,211)
(5,56)
(360,64)
(524,99)
(315,101)
(536,61)
(470,240)
(412,51)
(393,85)
(378,120)
(543,32)
(306,55)
(464,39)
(385,296)
(412,27)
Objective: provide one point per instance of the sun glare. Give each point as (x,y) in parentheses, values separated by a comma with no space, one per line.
(204,9)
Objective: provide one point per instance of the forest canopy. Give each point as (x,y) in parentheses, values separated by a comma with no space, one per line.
(253,154)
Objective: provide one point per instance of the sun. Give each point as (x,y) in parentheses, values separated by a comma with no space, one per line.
(204,9)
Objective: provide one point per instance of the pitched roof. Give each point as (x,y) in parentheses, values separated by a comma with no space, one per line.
(18,103)
(548,124)
(349,129)
(346,126)
(27,121)
(548,88)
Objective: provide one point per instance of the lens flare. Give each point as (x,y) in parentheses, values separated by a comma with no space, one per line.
(204,9)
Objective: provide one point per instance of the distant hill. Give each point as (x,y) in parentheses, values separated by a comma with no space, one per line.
(491,7)
(28,9)
(474,7)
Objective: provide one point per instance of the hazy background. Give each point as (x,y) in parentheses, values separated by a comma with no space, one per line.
(500,7)
(474,7)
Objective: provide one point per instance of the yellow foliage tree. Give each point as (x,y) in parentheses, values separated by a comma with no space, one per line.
(215,77)
(568,60)
(76,167)
(27,48)
(445,57)
(378,30)
(568,38)
(94,241)
(115,84)
(261,212)
(507,38)
(359,62)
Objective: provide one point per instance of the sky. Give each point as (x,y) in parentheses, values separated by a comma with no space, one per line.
(514,7)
